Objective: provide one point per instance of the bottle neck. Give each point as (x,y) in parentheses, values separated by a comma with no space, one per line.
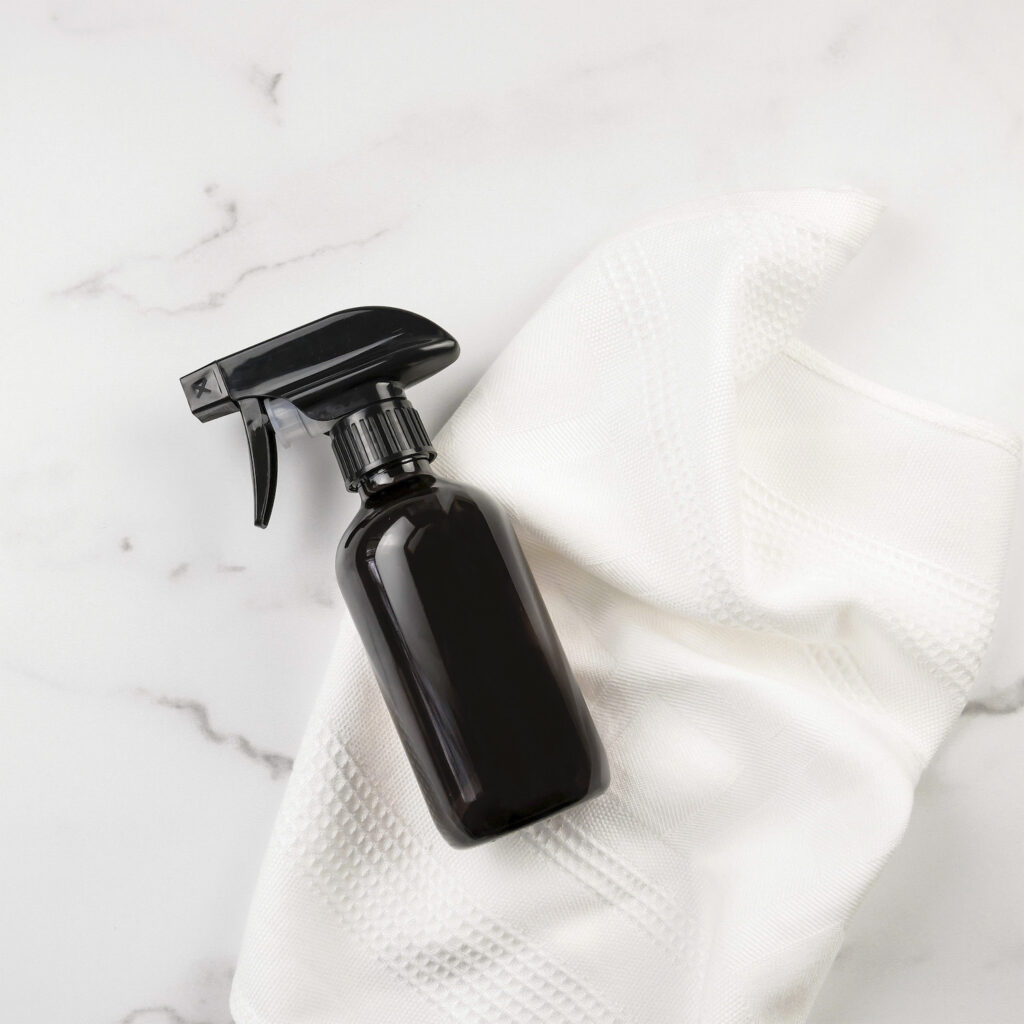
(393,478)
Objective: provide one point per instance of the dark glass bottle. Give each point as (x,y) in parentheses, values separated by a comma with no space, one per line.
(449,612)
(466,655)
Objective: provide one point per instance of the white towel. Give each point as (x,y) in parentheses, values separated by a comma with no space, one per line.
(775,582)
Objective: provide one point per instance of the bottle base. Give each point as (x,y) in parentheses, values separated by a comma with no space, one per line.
(475,829)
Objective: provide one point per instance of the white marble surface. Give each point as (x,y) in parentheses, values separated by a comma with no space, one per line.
(183,179)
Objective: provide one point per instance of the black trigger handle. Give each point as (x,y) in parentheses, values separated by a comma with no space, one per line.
(262,457)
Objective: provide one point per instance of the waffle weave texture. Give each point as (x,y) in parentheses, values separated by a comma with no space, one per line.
(775,584)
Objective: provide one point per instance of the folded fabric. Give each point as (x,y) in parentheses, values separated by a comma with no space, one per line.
(775,582)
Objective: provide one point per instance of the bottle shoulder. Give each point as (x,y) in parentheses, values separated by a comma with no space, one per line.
(433,505)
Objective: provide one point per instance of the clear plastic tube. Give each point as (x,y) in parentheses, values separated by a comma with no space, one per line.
(290,424)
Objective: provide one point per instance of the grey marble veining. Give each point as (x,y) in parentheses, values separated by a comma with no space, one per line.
(107,282)
(206,1002)
(158,1015)
(197,713)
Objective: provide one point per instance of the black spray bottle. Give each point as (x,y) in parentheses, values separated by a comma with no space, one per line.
(433,575)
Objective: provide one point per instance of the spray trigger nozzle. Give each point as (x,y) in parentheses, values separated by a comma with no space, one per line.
(343,374)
